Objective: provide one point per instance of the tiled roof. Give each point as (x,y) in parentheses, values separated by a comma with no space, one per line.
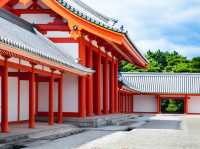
(35,43)
(89,14)
(82,10)
(171,83)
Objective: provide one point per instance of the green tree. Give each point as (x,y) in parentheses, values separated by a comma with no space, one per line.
(164,62)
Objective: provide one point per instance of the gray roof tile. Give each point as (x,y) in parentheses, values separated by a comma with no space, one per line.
(34,42)
(172,83)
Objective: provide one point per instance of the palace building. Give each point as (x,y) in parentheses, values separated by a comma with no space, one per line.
(59,58)
(160,93)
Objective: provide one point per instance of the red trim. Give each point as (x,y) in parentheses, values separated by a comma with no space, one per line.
(18,122)
(65,114)
(63,40)
(145,112)
(51,27)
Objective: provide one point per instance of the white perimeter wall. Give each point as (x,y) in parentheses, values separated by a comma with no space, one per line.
(24,100)
(71,49)
(70,93)
(194,104)
(144,103)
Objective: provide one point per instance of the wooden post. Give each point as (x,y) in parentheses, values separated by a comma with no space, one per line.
(105,86)
(186,104)
(82,80)
(4,98)
(112,80)
(89,88)
(32,98)
(158,104)
(116,88)
(98,84)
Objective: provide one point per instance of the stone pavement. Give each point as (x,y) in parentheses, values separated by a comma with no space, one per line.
(162,132)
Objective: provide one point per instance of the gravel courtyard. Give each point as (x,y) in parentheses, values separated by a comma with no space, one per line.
(160,132)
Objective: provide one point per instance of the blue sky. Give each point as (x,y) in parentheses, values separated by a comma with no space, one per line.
(157,24)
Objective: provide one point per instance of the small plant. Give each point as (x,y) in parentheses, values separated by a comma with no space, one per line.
(172,107)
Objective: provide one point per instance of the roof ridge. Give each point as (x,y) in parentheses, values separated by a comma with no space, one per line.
(94,12)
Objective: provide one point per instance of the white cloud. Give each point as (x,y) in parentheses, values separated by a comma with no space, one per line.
(147,20)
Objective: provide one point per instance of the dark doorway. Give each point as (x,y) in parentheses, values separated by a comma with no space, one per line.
(172,105)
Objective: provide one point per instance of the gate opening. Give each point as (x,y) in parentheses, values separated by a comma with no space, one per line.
(172,105)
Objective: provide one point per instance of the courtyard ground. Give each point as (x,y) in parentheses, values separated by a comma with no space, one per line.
(160,132)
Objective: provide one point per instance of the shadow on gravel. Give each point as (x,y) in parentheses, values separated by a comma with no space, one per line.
(162,124)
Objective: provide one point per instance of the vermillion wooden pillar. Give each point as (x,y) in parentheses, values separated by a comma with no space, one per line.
(32,99)
(185,104)
(112,82)
(116,88)
(89,83)
(60,100)
(98,84)
(158,104)
(82,80)
(133,103)
(4,98)
(105,86)
(51,100)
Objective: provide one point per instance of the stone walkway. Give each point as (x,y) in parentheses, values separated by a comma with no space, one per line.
(161,132)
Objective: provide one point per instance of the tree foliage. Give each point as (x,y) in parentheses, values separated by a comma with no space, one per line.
(165,62)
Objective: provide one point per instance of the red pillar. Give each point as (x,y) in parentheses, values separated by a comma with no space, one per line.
(4,98)
(60,100)
(89,88)
(82,80)
(98,84)
(186,104)
(116,88)
(105,86)
(112,80)
(32,99)
(133,103)
(51,101)
(158,104)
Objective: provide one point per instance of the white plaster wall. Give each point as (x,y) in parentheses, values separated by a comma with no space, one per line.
(101,86)
(38,18)
(56,97)
(144,103)
(70,93)
(194,104)
(71,49)
(24,100)
(56,34)
(12,98)
(43,96)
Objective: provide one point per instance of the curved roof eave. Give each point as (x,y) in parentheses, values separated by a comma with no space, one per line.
(102,30)
(106,32)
